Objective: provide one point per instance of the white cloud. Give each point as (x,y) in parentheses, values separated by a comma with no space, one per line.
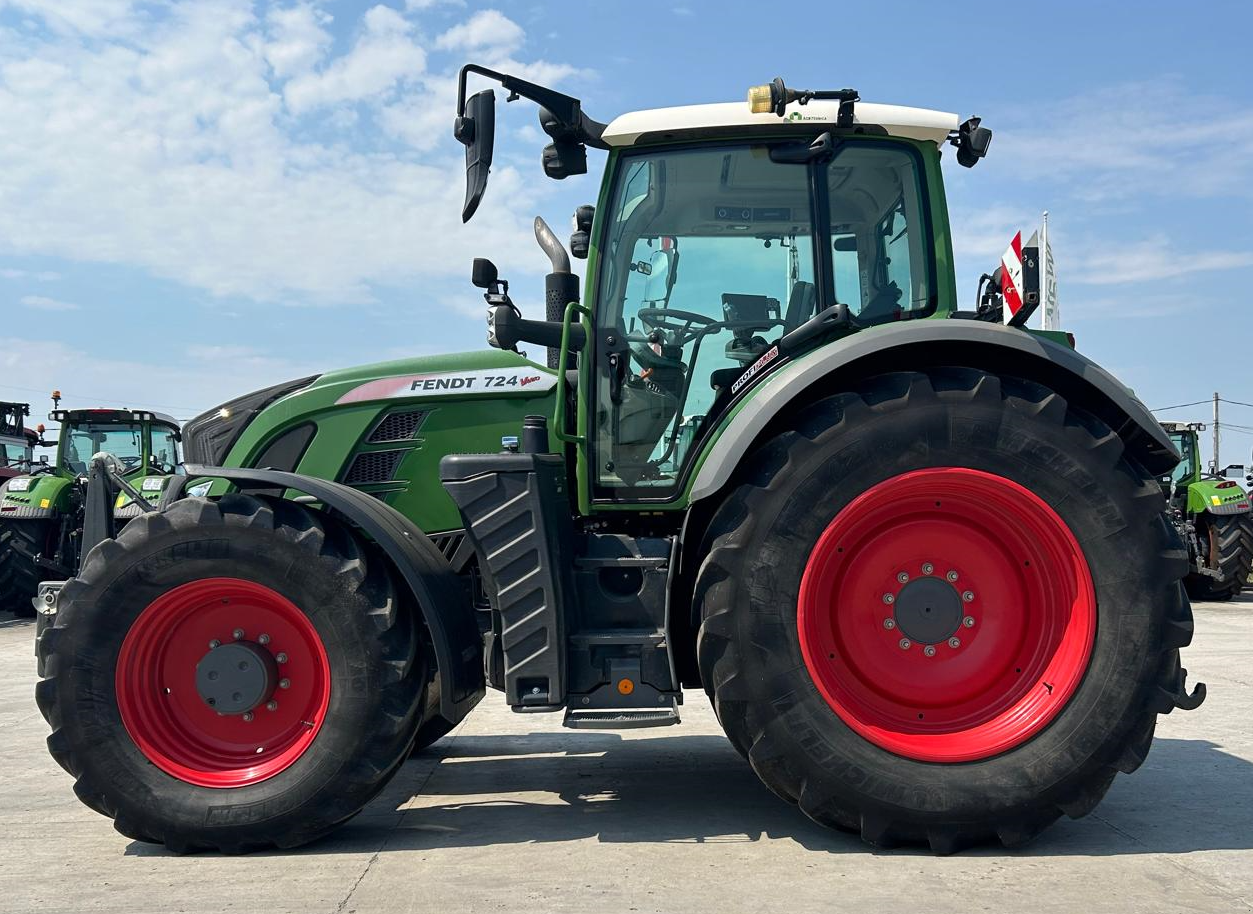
(1153,259)
(44,303)
(297,37)
(41,275)
(172,151)
(487,30)
(384,55)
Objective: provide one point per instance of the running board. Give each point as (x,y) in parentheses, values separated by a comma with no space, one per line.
(621,718)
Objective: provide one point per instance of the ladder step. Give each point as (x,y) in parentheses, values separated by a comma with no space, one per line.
(622,719)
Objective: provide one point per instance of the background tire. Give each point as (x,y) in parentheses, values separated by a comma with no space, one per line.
(749,647)
(1230,540)
(100,659)
(19,575)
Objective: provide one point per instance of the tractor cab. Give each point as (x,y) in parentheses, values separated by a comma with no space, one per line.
(17,443)
(728,241)
(140,442)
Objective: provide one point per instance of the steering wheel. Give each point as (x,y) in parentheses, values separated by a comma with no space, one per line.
(685,325)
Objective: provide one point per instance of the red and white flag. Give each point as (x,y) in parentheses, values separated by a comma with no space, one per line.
(1011,278)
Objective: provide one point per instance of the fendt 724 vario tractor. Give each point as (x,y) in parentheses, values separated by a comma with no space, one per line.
(42,509)
(918,560)
(1214,516)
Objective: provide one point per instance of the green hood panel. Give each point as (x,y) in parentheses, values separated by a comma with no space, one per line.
(1206,496)
(383,428)
(48,494)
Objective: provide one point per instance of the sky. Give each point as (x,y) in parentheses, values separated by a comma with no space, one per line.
(202,198)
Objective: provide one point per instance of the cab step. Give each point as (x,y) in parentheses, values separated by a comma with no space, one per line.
(620,718)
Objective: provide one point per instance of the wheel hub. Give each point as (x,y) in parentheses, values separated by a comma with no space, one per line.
(235,677)
(928,610)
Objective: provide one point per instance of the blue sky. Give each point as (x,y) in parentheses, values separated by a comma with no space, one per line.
(202,198)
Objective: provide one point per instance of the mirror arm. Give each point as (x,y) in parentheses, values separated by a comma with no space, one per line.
(565,108)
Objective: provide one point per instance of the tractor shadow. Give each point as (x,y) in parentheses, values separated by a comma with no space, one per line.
(479,791)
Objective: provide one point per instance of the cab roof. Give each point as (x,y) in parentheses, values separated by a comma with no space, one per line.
(690,120)
(102,414)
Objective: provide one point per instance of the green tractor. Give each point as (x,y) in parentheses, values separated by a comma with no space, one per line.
(43,509)
(1215,518)
(916,557)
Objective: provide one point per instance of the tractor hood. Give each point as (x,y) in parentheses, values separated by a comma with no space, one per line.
(1217,496)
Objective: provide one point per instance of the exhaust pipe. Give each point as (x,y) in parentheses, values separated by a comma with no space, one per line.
(560,286)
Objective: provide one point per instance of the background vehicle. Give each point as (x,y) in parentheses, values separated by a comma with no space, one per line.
(1215,518)
(17,442)
(917,558)
(41,509)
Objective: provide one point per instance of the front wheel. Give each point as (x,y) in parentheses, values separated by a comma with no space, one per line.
(231,675)
(1228,542)
(20,542)
(944,608)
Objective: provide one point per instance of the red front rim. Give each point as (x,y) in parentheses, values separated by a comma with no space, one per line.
(168,718)
(947,614)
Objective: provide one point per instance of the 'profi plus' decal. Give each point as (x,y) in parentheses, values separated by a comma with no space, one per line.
(453,383)
(770,355)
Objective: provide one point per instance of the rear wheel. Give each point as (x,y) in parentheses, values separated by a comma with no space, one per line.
(20,542)
(1229,542)
(231,675)
(942,609)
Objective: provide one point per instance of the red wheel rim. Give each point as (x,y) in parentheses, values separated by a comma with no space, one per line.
(164,712)
(874,604)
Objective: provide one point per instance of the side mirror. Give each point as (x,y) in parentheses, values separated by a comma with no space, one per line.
(581,238)
(483,275)
(476,129)
(660,277)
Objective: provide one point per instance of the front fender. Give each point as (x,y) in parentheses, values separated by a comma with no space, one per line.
(918,344)
(448,616)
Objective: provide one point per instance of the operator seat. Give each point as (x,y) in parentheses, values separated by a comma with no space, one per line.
(801,304)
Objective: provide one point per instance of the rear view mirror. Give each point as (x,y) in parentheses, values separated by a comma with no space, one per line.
(972,142)
(483,275)
(476,129)
(657,287)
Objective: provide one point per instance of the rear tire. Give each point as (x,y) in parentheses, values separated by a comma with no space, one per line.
(829,757)
(122,681)
(1230,540)
(19,575)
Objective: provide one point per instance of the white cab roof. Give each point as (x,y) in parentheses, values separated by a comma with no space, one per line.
(914,123)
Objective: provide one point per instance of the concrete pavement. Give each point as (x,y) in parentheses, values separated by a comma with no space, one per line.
(513,813)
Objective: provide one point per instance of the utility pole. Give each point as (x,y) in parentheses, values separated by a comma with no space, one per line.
(1217,465)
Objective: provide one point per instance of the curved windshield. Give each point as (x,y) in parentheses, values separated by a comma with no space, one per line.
(710,255)
(123,442)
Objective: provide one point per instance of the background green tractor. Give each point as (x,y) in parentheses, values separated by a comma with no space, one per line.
(916,557)
(1214,516)
(42,509)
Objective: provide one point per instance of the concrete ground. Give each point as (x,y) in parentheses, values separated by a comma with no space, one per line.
(512,813)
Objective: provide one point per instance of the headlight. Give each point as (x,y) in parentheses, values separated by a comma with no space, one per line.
(153,484)
(20,484)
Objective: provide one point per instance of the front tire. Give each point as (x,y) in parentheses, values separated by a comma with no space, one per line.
(1230,547)
(1019,520)
(19,575)
(321,715)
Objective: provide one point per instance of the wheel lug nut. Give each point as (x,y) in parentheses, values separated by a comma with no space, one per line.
(271,705)
(263,639)
(247,717)
(889,624)
(969,622)
(929,650)
(214,643)
(237,634)
(281,658)
(952,576)
(954,643)
(968,595)
(903,576)
(889,599)
(905,644)
(927,568)
(284,683)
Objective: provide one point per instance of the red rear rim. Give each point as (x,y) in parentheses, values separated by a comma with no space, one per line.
(947,614)
(166,708)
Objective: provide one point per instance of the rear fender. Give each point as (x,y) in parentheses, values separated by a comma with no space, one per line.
(915,345)
(445,608)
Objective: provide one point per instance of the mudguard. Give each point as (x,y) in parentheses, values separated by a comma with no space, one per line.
(917,344)
(450,620)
